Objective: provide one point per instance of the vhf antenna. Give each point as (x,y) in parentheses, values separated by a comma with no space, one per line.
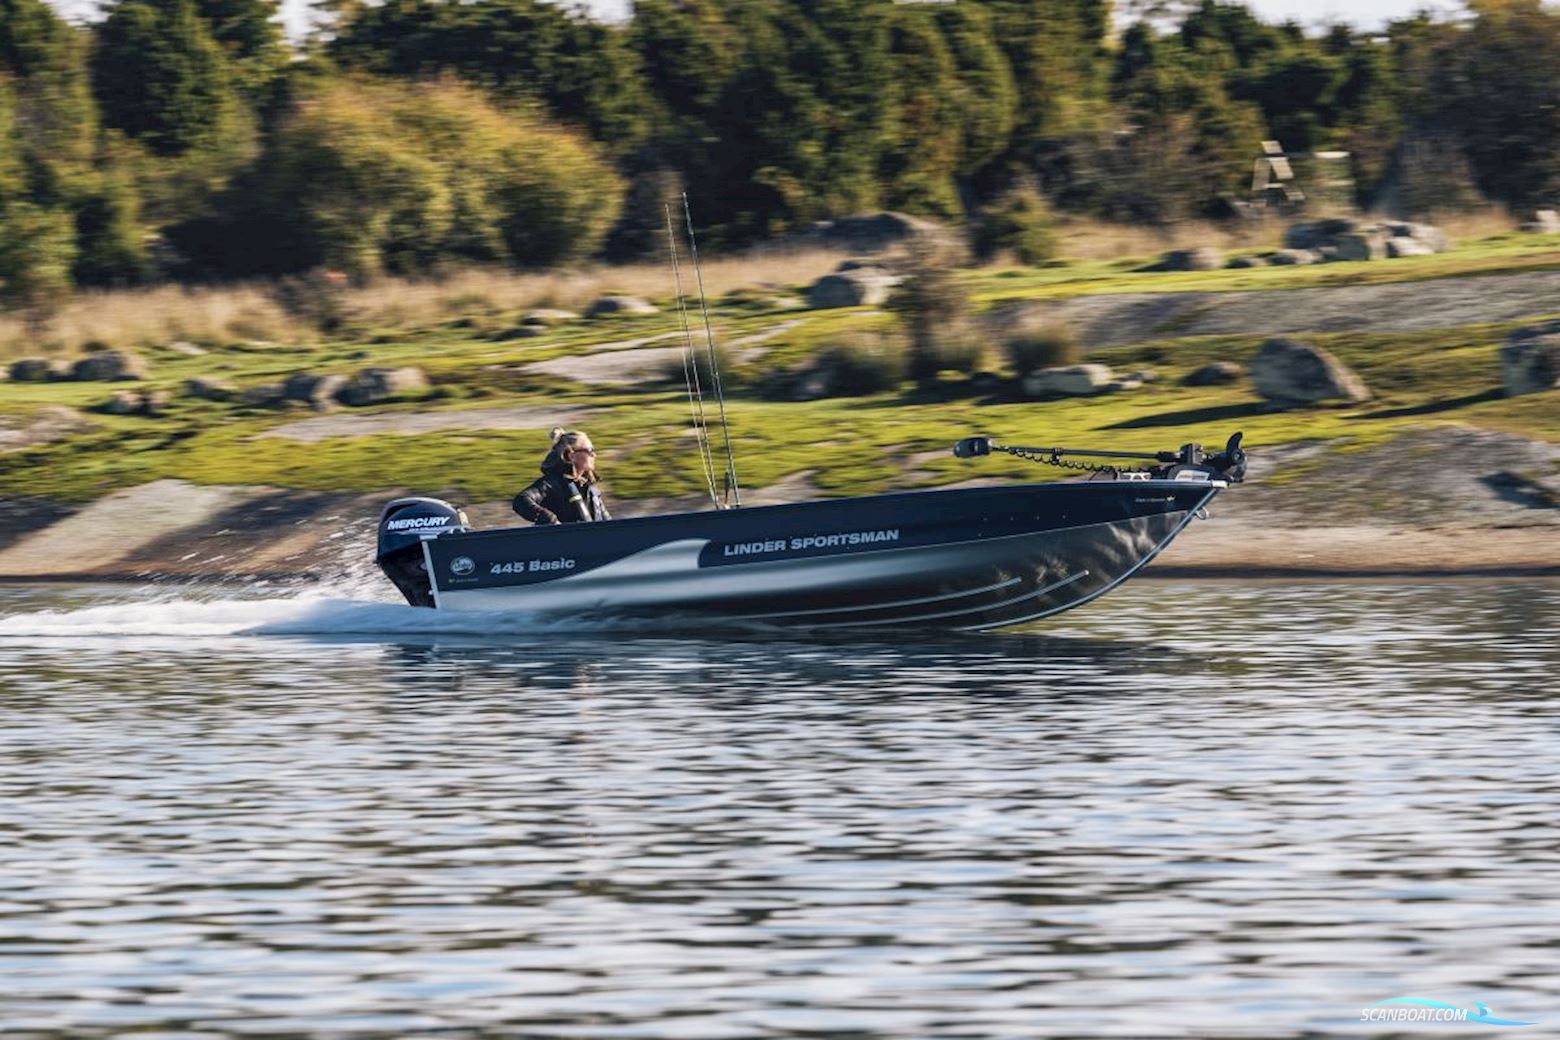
(733,490)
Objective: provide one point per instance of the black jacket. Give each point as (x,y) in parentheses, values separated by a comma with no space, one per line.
(555,499)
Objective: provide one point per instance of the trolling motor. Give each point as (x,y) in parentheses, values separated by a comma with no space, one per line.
(1229,464)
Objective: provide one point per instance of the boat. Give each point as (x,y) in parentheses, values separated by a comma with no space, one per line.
(970,558)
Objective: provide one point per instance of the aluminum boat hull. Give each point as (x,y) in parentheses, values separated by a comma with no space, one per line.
(956,559)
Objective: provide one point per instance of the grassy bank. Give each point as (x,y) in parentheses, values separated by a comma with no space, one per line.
(849,445)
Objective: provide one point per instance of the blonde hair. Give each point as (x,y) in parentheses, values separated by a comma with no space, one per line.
(563,442)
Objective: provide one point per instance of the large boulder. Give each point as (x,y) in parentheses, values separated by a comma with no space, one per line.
(106,365)
(266,395)
(1530,360)
(1544,222)
(1203,258)
(1216,373)
(1363,245)
(877,232)
(607,306)
(1400,247)
(317,391)
(1069,381)
(376,385)
(1244,262)
(1428,235)
(136,402)
(31,370)
(1287,371)
(861,287)
(208,389)
(1294,257)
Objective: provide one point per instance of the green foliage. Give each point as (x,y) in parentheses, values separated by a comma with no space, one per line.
(37,248)
(1019,222)
(933,306)
(1041,346)
(368,177)
(161,78)
(863,363)
(1499,92)
(584,72)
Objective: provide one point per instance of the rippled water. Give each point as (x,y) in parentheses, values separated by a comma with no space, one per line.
(1191,810)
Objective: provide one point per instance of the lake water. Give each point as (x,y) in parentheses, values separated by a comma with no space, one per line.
(1191,809)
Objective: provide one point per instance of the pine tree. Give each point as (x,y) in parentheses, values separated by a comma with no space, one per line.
(161,78)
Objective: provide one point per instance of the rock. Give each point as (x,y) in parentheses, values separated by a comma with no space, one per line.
(1118,385)
(1425,234)
(863,287)
(376,385)
(1314,234)
(1290,372)
(1326,254)
(186,349)
(155,402)
(1069,381)
(1400,247)
(31,370)
(876,232)
(518,332)
(984,382)
(610,305)
(1294,257)
(1216,373)
(1241,262)
(266,395)
(124,402)
(1530,360)
(209,389)
(1367,245)
(1544,222)
(106,365)
(1145,375)
(548,317)
(858,264)
(1203,258)
(813,385)
(318,392)
(136,402)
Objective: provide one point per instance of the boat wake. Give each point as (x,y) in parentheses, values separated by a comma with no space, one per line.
(312,615)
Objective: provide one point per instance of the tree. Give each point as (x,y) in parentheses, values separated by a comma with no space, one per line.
(584,72)
(161,78)
(370,177)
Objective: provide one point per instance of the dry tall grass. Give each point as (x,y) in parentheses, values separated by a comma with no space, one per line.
(250,312)
(1085,239)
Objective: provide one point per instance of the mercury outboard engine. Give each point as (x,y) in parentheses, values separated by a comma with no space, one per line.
(403,526)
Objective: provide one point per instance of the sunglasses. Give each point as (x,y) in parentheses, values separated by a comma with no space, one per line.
(588,451)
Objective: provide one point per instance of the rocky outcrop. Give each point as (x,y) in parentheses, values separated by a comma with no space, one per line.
(136,402)
(49,423)
(1289,372)
(1217,373)
(1203,258)
(858,287)
(377,385)
(208,389)
(317,391)
(34,370)
(1294,257)
(1345,238)
(109,365)
(1069,381)
(1530,360)
(611,306)
(1543,222)
(1245,262)
(877,232)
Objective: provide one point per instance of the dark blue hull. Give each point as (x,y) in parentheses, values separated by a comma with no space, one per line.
(959,559)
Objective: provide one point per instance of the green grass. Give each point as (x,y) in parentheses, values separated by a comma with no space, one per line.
(850,446)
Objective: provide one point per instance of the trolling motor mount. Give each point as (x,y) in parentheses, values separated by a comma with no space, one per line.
(1229,464)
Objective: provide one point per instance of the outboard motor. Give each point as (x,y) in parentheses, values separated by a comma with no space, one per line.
(403,526)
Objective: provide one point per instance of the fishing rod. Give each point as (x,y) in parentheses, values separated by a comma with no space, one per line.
(1229,464)
(733,489)
(691,368)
